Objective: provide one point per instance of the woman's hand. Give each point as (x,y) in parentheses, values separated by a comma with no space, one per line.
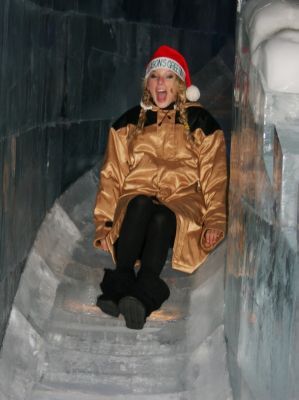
(104,245)
(211,237)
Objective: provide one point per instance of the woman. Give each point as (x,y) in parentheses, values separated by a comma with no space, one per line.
(162,185)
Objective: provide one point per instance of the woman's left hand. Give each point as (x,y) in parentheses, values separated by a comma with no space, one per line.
(211,237)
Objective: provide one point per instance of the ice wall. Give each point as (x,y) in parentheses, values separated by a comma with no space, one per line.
(261,317)
(64,65)
(44,142)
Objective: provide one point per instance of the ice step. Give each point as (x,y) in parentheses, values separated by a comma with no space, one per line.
(78,311)
(105,323)
(71,292)
(124,343)
(73,364)
(123,383)
(52,391)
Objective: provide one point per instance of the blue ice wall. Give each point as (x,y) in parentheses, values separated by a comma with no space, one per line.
(68,67)
(42,148)
(261,316)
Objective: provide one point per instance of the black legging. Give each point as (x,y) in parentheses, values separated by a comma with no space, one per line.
(147,232)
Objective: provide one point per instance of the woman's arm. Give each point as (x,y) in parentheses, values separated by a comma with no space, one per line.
(112,175)
(213,181)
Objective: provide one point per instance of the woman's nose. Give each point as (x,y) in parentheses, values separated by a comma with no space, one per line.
(160,80)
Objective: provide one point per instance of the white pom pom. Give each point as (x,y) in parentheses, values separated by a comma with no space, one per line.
(192,93)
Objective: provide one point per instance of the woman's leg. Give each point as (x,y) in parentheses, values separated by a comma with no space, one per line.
(159,238)
(133,231)
(150,291)
(119,282)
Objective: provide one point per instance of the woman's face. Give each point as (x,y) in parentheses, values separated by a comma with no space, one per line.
(163,87)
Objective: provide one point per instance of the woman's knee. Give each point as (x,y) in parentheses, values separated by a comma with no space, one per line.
(163,217)
(140,203)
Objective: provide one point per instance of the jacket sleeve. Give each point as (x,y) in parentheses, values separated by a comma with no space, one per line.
(112,175)
(213,182)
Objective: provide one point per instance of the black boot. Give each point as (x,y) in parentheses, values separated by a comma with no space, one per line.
(147,295)
(133,311)
(115,285)
(107,305)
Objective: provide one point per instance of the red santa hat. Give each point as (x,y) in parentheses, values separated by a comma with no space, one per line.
(167,57)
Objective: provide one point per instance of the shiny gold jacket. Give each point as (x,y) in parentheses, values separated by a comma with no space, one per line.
(188,177)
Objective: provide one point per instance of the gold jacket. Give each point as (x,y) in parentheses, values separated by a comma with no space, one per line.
(188,177)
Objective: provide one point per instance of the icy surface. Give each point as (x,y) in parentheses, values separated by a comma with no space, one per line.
(278,61)
(70,349)
(261,295)
(273,32)
(22,358)
(264,18)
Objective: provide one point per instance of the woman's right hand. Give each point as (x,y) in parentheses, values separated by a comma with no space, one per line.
(104,245)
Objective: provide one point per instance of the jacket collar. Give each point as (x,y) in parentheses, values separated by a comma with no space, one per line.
(171,106)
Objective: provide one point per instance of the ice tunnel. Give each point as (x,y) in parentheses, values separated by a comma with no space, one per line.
(230,330)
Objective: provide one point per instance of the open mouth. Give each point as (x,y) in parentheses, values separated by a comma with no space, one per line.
(161,95)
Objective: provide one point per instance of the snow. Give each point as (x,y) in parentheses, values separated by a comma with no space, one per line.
(273,31)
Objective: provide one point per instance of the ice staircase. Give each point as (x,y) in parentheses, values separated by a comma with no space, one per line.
(59,346)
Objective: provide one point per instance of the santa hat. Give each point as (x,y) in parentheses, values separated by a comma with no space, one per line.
(167,57)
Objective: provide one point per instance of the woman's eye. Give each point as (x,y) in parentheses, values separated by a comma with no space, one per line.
(153,76)
(170,76)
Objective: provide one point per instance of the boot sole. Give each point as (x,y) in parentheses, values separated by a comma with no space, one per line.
(133,311)
(108,307)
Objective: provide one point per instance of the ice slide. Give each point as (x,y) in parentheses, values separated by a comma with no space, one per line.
(60,346)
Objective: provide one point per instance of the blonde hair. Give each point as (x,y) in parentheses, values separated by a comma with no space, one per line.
(180,103)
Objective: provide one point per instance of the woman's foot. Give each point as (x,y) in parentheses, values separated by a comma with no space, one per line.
(107,305)
(115,285)
(133,311)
